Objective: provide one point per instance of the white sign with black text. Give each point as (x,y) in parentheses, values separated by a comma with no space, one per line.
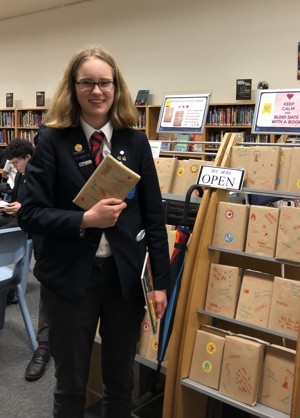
(221,177)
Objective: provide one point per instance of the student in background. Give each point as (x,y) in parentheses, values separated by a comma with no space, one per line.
(7,181)
(18,153)
(9,174)
(91,261)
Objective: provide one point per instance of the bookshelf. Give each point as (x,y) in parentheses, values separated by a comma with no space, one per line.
(148,118)
(28,122)
(228,117)
(7,125)
(20,123)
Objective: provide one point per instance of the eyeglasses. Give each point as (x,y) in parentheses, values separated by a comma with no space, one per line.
(88,86)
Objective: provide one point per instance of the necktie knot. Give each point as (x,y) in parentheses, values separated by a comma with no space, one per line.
(96,143)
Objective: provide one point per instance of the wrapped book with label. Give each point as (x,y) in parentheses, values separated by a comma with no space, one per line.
(110,179)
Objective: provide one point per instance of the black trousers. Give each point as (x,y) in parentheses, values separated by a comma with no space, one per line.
(42,331)
(72,328)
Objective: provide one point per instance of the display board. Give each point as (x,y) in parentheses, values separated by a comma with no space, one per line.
(277,112)
(185,113)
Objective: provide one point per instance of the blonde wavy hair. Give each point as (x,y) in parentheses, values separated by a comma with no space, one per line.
(64,110)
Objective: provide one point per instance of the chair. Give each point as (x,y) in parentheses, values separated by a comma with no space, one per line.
(15,256)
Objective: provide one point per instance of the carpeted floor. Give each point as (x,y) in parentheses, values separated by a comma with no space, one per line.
(19,398)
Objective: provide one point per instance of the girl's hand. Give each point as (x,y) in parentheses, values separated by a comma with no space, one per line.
(103,214)
(160,297)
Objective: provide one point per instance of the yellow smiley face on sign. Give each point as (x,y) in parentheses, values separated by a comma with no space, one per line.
(267,108)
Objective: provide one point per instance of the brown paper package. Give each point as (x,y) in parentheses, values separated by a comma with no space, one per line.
(284,312)
(241,369)
(294,172)
(165,168)
(240,158)
(223,289)
(255,298)
(284,169)
(148,343)
(288,237)
(207,356)
(230,226)
(278,377)
(262,230)
(263,168)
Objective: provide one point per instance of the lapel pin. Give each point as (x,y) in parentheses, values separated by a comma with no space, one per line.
(78,147)
(121,156)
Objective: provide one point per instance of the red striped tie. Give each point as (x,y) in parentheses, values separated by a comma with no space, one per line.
(95,143)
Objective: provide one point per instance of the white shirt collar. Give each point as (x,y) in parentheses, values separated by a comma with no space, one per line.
(107,130)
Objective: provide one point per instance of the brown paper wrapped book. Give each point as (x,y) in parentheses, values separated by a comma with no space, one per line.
(255,298)
(241,368)
(207,356)
(263,168)
(278,378)
(148,343)
(111,179)
(288,237)
(231,226)
(165,168)
(284,311)
(262,230)
(223,289)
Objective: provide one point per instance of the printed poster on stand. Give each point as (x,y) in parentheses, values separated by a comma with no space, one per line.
(277,112)
(184,113)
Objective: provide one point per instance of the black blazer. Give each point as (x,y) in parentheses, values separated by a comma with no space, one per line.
(17,194)
(54,177)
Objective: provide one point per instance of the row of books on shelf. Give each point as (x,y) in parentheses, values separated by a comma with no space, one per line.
(6,136)
(194,143)
(181,142)
(7,119)
(217,136)
(141,123)
(230,115)
(28,135)
(31,118)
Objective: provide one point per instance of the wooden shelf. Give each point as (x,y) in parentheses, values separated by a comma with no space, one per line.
(258,410)
(247,325)
(20,127)
(250,255)
(148,120)
(208,126)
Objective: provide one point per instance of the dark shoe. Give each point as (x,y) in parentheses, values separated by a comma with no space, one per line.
(37,365)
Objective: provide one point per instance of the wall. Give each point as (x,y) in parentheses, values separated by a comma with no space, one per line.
(167,46)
